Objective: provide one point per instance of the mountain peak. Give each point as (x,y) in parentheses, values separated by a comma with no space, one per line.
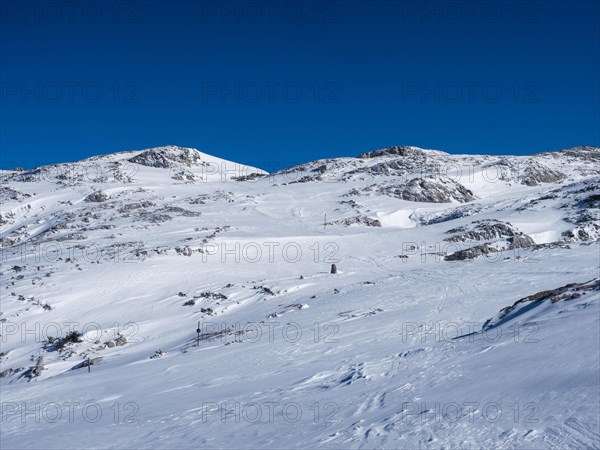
(164,157)
(402,150)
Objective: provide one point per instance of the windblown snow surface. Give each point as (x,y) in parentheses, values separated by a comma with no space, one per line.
(464,312)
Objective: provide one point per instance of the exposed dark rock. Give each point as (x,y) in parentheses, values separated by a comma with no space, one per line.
(264,290)
(564,293)
(212,296)
(585,153)
(184,176)
(34,371)
(306,179)
(360,220)
(164,157)
(587,232)
(471,253)
(96,197)
(185,251)
(404,151)
(520,241)
(249,177)
(88,363)
(158,354)
(60,344)
(7,194)
(133,206)
(156,217)
(442,190)
(534,174)
(182,211)
(8,372)
(483,230)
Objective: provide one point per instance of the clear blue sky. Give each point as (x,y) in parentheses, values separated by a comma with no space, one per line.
(261,82)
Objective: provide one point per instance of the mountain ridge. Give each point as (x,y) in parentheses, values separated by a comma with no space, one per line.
(137,250)
(395,150)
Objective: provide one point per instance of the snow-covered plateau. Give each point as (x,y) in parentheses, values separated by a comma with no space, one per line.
(166,298)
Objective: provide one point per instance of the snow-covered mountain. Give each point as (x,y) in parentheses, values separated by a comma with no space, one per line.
(464,312)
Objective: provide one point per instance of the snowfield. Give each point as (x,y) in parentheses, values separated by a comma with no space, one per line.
(464,312)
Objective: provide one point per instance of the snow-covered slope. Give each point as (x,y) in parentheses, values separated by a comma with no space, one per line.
(464,312)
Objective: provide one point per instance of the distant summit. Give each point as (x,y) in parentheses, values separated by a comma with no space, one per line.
(403,150)
(164,157)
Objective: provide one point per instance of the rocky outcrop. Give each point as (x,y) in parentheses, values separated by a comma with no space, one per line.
(10,371)
(439,190)
(96,197)
(34,371)
(520,241)
(401,151)
(584,233)
(471,253)
(359,220)
(534,173)
(482,230)
(88,363)
(164,157)
(184,176)
(564,293)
